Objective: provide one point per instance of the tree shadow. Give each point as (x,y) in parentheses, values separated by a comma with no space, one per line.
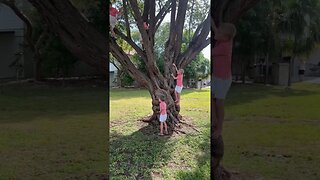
(203,164)
(242,94)
(23,103)
(136,155)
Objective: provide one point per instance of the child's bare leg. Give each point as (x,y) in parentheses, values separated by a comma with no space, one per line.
(112,31)
(161,128)
(176,93)
(214,119)
(165,127)
(219,106)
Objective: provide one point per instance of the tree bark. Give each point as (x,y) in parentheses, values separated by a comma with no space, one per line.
(76,33)
(90,46)
(153,79)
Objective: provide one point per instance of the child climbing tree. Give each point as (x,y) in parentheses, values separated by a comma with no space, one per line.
(147,20)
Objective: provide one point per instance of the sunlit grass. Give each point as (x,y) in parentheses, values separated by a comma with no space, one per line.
(136,155)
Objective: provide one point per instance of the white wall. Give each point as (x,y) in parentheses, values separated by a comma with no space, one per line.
(112,68)
(8,20)
(11,39)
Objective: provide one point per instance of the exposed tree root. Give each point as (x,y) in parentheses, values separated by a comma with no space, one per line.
(180,127)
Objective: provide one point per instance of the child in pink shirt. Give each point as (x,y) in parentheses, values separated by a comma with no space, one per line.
(113,15)
(222,77)
(179,85)
(163,116)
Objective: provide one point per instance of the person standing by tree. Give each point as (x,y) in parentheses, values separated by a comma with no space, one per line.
(179,85)
(163,116)
(222,77)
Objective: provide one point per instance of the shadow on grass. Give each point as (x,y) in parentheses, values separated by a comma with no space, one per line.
(137,155)
(141,154)
(241,94)
(26,103)
(202,171)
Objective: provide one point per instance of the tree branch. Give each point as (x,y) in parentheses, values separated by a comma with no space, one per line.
(125,8)
(162,13)
(182,10)
(130,68)
(78,35)
(199,41)
(133,44)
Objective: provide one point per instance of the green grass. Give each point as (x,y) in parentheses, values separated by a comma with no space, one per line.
(273,133)
(52,132)
(134,154)
(57,133)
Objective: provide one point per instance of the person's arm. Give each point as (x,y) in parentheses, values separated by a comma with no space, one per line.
(160,109)
(120,11)
(173,76)
(175,66)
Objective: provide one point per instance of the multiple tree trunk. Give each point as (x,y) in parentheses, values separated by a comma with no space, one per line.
(76,33)
(90,46)
(153,79)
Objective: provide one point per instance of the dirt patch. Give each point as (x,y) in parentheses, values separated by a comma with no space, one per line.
(120,122)
(186,126)
(157,176)
(254,154)
(183,167)
(196,109)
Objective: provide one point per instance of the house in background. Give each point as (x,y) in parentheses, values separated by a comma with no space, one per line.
(313,64)
(113,73)
(15,60)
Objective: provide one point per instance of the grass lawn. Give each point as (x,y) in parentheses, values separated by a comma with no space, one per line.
(270,133)
(57,133)
(138,155)
(52,132)
(273,133)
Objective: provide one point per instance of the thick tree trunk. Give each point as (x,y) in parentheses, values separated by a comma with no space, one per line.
(76,33)
(90,46)
(173,109)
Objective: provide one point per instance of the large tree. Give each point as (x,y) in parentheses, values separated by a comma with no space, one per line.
(78,35)
(153,79)
(90,45)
